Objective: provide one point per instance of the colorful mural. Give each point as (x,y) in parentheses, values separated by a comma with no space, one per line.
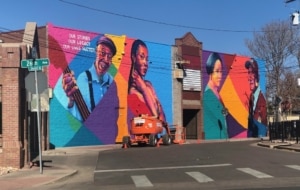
(234,105)
(100,82)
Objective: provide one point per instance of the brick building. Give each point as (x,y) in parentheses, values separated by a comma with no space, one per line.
(17,124)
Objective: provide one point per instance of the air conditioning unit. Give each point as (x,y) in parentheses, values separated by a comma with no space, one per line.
(178,73)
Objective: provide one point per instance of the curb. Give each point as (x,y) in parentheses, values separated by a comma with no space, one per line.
(273,145)
(283,146)
(60,178)
(291,148)
(66,176)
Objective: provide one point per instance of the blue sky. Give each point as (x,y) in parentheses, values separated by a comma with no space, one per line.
(222,25)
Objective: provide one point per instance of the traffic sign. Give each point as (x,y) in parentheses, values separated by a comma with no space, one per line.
(41,79)
(34,64)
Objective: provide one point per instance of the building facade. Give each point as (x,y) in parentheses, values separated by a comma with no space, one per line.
(168,81)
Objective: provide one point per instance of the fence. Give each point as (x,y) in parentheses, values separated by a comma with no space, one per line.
(284,130)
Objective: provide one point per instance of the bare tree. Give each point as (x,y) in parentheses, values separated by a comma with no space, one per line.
(275,43)
(289,91)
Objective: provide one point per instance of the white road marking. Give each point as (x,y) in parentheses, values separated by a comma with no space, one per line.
(161,168)
(141,181)
(201,178)
(254,173)
(296,167)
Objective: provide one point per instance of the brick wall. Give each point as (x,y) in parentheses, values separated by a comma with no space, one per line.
(12,149)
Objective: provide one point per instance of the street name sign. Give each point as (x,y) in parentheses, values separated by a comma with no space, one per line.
(34,64)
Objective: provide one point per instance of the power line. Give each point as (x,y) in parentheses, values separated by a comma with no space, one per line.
(156,22)
(161,65)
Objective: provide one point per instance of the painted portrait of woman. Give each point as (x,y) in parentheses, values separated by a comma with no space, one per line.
(214,120)
(142,98)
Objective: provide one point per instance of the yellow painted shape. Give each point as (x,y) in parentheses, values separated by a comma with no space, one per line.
(122,109)
(233,103)
(119,43)
(121,87)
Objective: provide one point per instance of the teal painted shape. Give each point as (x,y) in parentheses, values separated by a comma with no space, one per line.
(214,121)
(63,126)
(84,137)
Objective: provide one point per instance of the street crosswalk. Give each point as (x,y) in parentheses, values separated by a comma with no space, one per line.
(200,177)
(254,173)
(195,174)
(141,181)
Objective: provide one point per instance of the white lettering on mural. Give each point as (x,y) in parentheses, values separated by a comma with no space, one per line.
(78,42)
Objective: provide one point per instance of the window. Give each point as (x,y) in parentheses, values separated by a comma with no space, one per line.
(192,81)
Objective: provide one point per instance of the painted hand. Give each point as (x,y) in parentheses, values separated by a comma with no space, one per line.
(70,87)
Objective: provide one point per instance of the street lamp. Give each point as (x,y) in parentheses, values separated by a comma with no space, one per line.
(295,18)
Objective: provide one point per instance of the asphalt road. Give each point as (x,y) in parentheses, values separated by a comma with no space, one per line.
(219,165)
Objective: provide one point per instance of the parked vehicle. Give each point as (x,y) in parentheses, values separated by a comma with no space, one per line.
(148,130)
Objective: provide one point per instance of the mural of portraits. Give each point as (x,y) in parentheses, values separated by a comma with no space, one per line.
(100,82)
(230,91)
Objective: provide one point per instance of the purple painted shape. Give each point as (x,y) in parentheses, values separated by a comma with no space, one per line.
(234,128)
(103,120)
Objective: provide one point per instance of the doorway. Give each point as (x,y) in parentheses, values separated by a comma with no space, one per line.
(190,122)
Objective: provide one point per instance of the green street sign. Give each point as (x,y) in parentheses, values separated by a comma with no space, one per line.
(35,68)
(25,63)
(34,64)
(42,62)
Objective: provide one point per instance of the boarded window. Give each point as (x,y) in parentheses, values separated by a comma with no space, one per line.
(192,81)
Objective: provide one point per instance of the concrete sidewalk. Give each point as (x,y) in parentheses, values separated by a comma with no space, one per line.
(55,168)
(27,178)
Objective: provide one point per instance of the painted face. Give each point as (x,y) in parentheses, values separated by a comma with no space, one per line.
(103,59)
(252,79)
(216,76)
(141,60)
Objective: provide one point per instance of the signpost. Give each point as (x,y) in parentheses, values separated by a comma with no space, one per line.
(36,65)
